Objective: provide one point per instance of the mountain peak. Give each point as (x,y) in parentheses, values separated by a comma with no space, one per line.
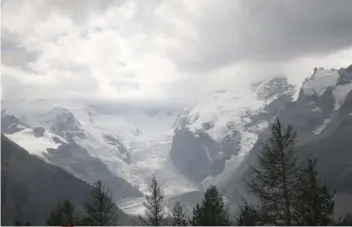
(322,79)
(269,90)
(326,84)
(62,121)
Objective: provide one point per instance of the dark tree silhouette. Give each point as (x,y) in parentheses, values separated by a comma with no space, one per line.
(154,206)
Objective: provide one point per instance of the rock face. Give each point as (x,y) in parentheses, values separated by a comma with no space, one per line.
(31,187)
(39,131)
(10,124)
(273,89)
(76,160)
(63,123)
(199,163)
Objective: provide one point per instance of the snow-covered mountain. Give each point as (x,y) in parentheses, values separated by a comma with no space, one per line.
(211,141)
(212,137)
(322,117)
(99,142)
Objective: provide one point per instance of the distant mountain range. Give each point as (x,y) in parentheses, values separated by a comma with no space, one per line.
(210,142)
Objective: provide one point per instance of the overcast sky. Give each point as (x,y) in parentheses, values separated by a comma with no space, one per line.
(146,49)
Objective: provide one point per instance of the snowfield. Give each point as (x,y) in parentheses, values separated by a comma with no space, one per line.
(145,138)
(320,81)
(35,146)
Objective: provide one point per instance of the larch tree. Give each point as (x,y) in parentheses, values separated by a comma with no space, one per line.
(274,179)
(155,213)
(315,203)
(178,216)
(100,207)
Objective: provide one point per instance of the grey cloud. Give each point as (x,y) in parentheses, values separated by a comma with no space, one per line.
(78,10)
(125,84)
(14,55)
(273,30)
(231,32)
(153,106)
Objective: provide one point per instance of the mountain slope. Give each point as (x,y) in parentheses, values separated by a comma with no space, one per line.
(121,145)
(322,120)
(30,187)
(53,147)
(212,137)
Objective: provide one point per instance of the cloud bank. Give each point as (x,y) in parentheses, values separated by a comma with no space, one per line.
(161,49)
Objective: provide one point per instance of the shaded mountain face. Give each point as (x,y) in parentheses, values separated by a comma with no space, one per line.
(11,124)
(30,188)
(322,117)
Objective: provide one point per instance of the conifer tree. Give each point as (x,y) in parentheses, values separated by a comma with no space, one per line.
(274,179)
(248,216)
(154,206)
(63,214)
(195,220)
(178,216)
(100,207)
(314,204)
(212,211)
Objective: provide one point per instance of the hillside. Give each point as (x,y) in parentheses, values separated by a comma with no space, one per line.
(30,187)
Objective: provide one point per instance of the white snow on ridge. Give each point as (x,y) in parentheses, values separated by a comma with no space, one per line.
(34,145)
(340,92)
(218,110)
(134,206)
(320,81)
(322,127)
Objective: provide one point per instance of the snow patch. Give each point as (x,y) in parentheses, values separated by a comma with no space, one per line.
(320,81)
(316,109)
(322,127)
(340,92)
(35,145)
(134,206)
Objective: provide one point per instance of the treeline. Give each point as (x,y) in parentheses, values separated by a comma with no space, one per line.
(285,194)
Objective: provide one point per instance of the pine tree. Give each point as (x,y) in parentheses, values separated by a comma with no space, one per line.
(154,206)
(63,214)
(274,180)
(100,208)
(197,215)
(248,216)
(213,210)
(315,204)
(178,217)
